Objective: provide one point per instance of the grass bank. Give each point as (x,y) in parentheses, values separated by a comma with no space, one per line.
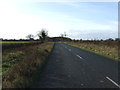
(21,67)
(101,49)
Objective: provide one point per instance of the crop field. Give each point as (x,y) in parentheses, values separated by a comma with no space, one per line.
(14,41)
(106,48)
(22,66)
(17,44)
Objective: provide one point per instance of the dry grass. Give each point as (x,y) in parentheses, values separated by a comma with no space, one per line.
(26,65)
(107,50)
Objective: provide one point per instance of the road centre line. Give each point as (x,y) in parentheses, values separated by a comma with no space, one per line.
(113,82)
(69,49)
(106,77)
(79,56)
(64,46)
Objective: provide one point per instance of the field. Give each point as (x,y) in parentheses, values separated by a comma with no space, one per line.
(22,66)
(17,44)
(14,41)
(108,48)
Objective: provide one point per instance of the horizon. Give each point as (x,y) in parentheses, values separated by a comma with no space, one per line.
(2,39)
(80,20)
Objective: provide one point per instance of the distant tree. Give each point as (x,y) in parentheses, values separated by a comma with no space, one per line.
(117,39)
(1,39)
(43,34)
(5,39)
(80,39)
(30,37)
(110,39)
(63,35)
(101,40)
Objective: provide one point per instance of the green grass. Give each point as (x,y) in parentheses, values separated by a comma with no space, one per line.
(104,50)
(14,41)
(22,67)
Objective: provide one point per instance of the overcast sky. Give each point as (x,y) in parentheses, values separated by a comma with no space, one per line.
(80,20)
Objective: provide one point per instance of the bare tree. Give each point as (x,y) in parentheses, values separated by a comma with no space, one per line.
(43,34)
(30,37)
(63,35)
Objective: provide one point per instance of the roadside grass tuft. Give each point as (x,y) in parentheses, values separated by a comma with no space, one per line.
(25,71)
(101,49)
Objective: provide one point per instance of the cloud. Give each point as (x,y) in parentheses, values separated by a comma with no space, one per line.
(15,24)
(24,24)
(90,25)
(93,35)
(99,32)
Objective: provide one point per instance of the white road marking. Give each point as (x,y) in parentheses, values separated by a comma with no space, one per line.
(65,47)
(69,49)
(79,56)
(82,84)
(113,82)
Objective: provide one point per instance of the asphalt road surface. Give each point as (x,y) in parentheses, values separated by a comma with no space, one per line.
(71,67)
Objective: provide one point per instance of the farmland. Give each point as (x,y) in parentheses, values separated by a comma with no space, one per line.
(21,65)
(17,44)
(14,42)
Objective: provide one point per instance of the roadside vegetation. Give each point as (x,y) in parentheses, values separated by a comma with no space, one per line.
(22,61)
(107,48)
(22,66)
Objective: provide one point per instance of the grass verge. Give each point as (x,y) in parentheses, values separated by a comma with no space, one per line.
(104,50)
(22,67)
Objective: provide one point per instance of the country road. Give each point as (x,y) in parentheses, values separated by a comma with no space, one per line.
(71,67)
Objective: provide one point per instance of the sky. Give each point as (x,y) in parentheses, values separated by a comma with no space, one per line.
(80,20)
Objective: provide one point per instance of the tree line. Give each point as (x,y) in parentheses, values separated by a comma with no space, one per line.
(42,35)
